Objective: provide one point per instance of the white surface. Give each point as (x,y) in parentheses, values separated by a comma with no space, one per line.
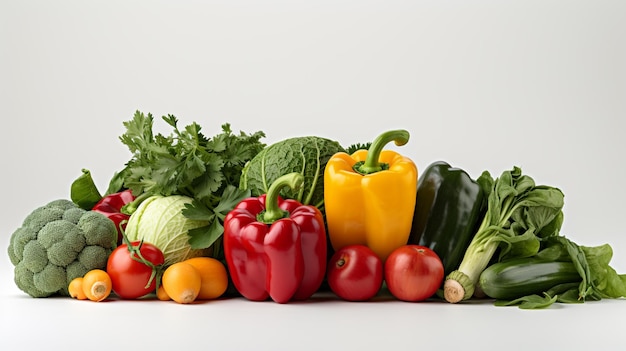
(480,84)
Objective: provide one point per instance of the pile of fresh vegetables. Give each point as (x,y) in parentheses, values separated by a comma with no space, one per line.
(191,218)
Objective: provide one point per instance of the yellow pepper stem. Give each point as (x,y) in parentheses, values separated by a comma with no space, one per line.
(371,164)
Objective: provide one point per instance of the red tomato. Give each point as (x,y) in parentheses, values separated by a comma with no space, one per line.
(355,273)
(413,273)
(130,277)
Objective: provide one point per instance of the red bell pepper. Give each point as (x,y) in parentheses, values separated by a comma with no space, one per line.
(111,206)
(275,247)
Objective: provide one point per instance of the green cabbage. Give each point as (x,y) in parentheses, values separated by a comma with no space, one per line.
(306,155)
(159,220)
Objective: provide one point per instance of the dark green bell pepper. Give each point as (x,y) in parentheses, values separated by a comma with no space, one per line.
(449,208)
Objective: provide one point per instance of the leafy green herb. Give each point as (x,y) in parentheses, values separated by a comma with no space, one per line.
(358,146)
(186,162)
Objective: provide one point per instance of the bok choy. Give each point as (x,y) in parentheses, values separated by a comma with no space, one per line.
(519,215)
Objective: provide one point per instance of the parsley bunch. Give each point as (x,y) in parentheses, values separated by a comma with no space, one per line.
(186,162)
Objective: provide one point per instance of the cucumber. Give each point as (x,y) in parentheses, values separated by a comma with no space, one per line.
(520,277)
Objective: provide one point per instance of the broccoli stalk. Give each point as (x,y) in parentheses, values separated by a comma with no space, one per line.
(519,214)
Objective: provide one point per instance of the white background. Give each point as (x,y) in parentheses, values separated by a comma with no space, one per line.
(484,85)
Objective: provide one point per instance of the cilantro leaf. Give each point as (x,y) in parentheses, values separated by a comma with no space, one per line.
(203,237)
(186,162)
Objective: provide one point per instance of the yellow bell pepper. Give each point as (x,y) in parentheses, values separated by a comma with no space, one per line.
(369,196)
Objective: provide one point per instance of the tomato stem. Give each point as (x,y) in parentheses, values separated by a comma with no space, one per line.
(135,254)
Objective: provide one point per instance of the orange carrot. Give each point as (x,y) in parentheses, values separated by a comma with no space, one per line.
(97,285)
(75,289)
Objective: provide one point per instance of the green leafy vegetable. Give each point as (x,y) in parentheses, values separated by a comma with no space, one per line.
(529,302)
(83,191)
(598,279)
(519,215)
(188,163)
(305,155)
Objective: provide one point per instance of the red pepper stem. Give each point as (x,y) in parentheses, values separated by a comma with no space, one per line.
(371,164)
(272,211)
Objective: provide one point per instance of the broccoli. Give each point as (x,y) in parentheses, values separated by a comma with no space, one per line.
(56,243)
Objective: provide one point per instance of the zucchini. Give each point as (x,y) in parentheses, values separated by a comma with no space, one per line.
(520,277)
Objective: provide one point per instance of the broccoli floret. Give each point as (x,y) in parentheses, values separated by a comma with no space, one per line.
(56,243)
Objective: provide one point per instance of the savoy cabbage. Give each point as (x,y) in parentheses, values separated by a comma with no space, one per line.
(306,155)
